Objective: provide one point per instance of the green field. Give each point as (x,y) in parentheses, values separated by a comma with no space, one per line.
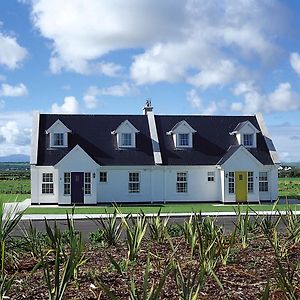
(289,187)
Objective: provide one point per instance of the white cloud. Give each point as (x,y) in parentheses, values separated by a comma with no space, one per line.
(280,100)
(90,96)
(11,53)
(221,73)
(197,103)
(19,90)
(295,62)
(15,133)
(286,146)
(70,106)
(176,39)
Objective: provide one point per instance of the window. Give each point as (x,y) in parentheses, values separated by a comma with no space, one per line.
(248,139)
(103,176)
(87,183)
(210,176)
(134,182)
(183,139)
(126,140)
(58,139)
(47,183)
(181,184)
(67,183)
(231,182)
(250,182)
(263,182)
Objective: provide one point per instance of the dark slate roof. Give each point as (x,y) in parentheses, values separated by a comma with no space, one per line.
(210,142)
(93,134)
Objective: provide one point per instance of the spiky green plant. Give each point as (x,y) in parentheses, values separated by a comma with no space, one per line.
(66,262)
(158,228)
(9,219)
(243,226)
(111,228)
(135,233)
(191,232)
(189,284)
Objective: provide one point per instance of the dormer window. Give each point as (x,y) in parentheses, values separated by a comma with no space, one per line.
(245,132)
(182,134)
(58,133)
(248,140)
(126,139)
(126,135)
(183,139)
(58,139)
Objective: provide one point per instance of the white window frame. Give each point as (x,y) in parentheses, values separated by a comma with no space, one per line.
(67,183)
(263,181)
(87,183)
(181,182)
(63,138)
(103,176)
(248,139)
(231,183)
(211,176)
(47,183)
(250,182)
(134,183)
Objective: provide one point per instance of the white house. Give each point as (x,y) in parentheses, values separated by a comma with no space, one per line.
(91,159)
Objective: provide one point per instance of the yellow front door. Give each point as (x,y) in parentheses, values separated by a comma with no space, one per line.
(241,186)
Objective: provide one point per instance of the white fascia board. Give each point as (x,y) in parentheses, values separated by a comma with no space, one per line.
(175,128)
(154,138)
(267,137)
(35,137)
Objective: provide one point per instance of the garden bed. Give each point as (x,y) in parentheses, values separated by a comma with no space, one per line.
(255,261)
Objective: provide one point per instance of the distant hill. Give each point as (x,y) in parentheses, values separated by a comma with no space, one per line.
(15,158)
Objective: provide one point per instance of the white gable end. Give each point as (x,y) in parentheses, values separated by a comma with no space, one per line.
(76,159)
(241,159)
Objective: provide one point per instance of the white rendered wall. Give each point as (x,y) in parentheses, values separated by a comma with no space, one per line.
(158,184)
(36,185)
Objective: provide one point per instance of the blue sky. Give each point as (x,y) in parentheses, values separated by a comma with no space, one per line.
(188,56)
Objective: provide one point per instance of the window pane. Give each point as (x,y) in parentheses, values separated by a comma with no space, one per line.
(134,182)
(103,176)
(210,176)
(181,184)
(58,139)
(250,182)
(231,182)
(248,139)
(87,183)
(126,139)
(67,183)
(183,139)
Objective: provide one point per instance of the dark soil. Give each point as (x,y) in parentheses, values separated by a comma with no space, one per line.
(244,277)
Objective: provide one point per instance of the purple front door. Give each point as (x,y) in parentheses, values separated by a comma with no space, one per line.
(77,187)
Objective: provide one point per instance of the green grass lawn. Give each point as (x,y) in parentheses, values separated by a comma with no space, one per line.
(166,208)
(13,197)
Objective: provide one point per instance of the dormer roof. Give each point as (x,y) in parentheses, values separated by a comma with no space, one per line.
(242,125)
(125,126)
(182,124)
(58,126)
